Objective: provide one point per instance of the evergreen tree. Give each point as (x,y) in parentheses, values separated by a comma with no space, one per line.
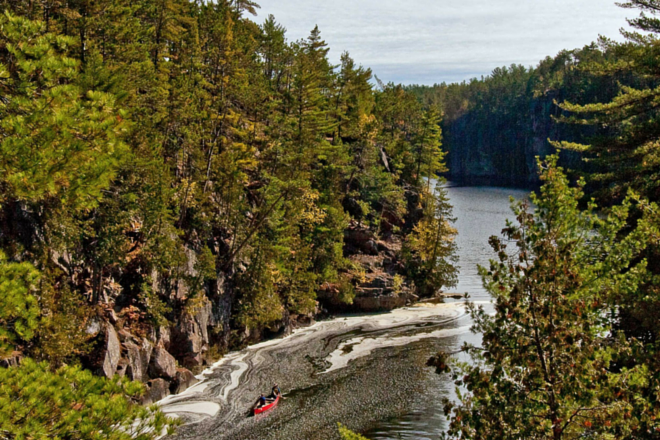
(549,366)
(625,154)
(19,310)
(59,141)
(430,251)
(160,157)
(72,403)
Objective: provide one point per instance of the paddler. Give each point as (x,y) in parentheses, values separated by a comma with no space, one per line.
(275,392)
(261,401)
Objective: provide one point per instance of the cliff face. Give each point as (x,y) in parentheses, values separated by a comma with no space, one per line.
(166,357)
(501,147)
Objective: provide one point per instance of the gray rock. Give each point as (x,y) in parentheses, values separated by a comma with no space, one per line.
(157,389)
(369,292)
(112,352)
(371,247)
(375,304)
(139,357)
(122,366)
(164,337)
(190,338)
(183,380)
(111,315)
(162,364)
(379,280)
(358,237)
(126,336)
(94,327)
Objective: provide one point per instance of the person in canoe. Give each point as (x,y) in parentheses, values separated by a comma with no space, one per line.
(275,392)
(261,401)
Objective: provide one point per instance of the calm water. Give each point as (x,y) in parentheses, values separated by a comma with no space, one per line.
(365,371)
(481,212)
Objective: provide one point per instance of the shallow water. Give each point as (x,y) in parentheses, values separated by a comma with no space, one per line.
(367,372)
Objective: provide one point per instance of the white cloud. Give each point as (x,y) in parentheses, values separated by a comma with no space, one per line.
(429,41)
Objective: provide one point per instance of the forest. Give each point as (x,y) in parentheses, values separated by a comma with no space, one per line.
(178,181)
(496,126)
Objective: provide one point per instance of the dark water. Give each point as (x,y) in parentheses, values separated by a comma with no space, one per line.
(366,372)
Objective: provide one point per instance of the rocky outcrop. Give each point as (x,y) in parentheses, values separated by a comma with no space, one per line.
(360,239)
(167,358)
(162,364)
(183,380)
(379,303)
(377,283)
(112,352)
(157,389)
(139,358)
(380,289)
(190,339)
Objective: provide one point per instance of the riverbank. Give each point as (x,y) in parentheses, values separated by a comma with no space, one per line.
(317,367)
(378,383)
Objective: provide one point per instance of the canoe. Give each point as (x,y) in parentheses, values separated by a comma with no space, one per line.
(267,407)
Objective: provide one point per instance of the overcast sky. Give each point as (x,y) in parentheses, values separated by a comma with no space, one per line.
(431,41)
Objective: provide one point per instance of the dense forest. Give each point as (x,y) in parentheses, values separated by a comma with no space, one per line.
(496,126)
(178,181)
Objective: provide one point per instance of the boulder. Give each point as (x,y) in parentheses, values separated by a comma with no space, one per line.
(369,292)
(359,238)
(390,249)
(297,321)
(370,247)
(378,304)
(190,338)
(164,337)
(122,366)
(111,315)
(183,380)
(126,336)
(162,364)
(139,357)
(112,352)
(157,389)
(378,280)
(94,327)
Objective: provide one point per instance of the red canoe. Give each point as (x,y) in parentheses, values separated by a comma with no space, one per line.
(267,407)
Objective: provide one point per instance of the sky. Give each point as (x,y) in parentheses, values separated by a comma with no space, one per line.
(434,41)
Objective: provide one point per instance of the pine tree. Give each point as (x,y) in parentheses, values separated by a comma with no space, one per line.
(19,308)
(36,402)
(430,251)
(549,365)
(625,154)
(429,160)
(159,156)
(59,141)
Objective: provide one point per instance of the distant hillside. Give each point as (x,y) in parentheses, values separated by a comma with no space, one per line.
(494,127)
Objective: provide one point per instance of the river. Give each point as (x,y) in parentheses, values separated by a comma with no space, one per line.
(365,371)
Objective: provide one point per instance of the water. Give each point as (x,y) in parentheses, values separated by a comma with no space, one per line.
(366,371)
(481,212)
